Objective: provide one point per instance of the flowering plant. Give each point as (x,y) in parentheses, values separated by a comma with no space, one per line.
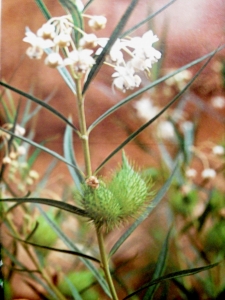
(107,203)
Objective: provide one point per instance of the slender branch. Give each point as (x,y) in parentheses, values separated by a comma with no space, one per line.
(83,127)
(104,263)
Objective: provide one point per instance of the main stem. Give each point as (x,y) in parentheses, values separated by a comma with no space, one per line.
(105,264)
(83,128)
(85,143)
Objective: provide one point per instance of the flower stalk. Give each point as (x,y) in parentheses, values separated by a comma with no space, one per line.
(105,263)
(83,128)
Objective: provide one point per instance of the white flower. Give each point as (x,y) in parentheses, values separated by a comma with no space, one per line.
(81,60)
(6,160)
(191,173)
(125,79)
(19,130)
(47,31)
(144,54)
(115,53)
(88,41)
(218,150)
(166,130)
(145,109)
(97,22)
(218,102)
(37,45)
(33,174)
(21,150)
(208,173)
(53,60)
(62,39)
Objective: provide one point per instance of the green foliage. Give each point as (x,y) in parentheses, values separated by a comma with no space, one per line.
(184,203)
(215,239)
(81,280)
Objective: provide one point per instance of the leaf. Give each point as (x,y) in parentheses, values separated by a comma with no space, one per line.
(147,19)
(153,84)
(143,127)
(146,213)
(186,272)
(71,246)
(43,9)
(69,155)
(53,153)
(40,102)
(160,267)
(54,203)
(77,253)
(87,4)
(99,61)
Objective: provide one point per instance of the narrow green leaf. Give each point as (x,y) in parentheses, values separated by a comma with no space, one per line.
(99,61)
(77,253)
(173,275)
(146,88)
(160,268)
(69,155)
(143,127)
(75,12)
(43,9)
(71,246)
(40,102)
(50,152)
(126,33)
(146,213)
(73,289)
(50,202)
(87,4)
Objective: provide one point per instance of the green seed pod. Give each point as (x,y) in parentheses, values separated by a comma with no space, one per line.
(114,203)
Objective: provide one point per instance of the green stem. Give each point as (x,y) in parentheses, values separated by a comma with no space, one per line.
(105,264)
(83,127)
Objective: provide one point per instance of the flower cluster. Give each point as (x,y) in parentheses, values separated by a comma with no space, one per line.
(56,37)
(16,150)
(13,153)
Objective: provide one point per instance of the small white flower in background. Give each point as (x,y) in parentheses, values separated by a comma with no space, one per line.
(53,60)
(19,130)
(218,102)
(97,22)
(145,109)
(179,79)
(21,150)
(208,173)
(37,45)
(191,173)
(218,150)
(166,131)
(6,160)
(125,79)
(81,60)
(33,174)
